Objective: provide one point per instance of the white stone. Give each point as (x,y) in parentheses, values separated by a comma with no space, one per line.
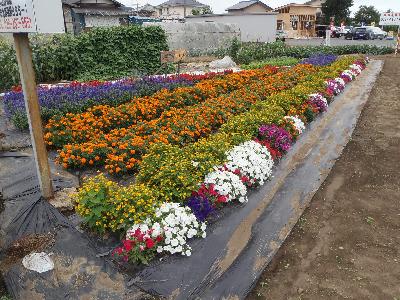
(225,63)
(38,262)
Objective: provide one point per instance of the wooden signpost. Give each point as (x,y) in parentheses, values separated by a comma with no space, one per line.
(174,56)
(21,17)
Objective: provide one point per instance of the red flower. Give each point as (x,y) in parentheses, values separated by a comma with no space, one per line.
(149,243)
(221,199)
(159,238)
(118,251)
(139,235)
(127,245)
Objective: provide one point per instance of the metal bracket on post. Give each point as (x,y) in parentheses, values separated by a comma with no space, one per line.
(27,74)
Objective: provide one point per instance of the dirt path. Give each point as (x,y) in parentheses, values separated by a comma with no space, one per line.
(347,243)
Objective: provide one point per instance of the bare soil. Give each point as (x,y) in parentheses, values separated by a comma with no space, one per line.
(347,243)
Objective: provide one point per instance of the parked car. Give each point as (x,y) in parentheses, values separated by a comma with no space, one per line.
(375,33)
(281,35)
(335,32)
(344,30)
(358,33)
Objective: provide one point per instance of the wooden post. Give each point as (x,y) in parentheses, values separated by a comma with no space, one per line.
(27,74)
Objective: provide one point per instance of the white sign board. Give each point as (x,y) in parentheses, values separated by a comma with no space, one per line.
(390,19)
(42,16)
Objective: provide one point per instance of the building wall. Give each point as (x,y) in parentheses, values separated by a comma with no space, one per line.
(253,27)
(175,11)
(69,24)
(198,37)
(101,21)
(303,13)
(256,8)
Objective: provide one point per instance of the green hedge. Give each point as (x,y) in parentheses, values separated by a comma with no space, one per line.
(250,52)
(102,54)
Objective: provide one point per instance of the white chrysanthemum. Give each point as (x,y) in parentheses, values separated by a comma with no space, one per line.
(298,124)
(177,224)
(252,160)
(227,184)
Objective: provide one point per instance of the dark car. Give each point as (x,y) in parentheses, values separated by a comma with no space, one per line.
(358,33)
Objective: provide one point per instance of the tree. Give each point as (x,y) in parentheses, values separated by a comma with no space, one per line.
(203,11)
(338,9)
(367,15)
(206,10)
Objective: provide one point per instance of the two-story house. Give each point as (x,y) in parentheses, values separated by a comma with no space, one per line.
(178,9)
(80,15)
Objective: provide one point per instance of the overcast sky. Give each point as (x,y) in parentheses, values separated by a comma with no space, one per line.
(219,6)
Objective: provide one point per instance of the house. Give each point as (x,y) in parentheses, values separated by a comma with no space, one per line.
(81,15)
(148,10)
(246,7)
(178,9)
(298,20)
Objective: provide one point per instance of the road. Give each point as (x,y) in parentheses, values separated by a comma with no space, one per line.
(339,42)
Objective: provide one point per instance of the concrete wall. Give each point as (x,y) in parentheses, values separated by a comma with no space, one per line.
(101,21)
(259,27)
(199,37)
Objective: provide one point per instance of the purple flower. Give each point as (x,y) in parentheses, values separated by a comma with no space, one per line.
(278,137)
(201,207)
(319,102)
(319,59)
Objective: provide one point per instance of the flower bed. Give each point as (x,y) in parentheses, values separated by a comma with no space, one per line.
(99,120)
(215,170)
(77,97)
(122,149)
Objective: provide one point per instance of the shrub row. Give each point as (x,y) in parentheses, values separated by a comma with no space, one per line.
(102,53)
(250,52)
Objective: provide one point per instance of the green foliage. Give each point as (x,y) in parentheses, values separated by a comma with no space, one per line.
(367,15)
(102,54)
(202,11)
(8,66)
(234,48)
(339,9)
(107,206)
(278,61)
(250,52)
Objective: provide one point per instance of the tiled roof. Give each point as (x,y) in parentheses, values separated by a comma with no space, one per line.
(191,3)
(244,4)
